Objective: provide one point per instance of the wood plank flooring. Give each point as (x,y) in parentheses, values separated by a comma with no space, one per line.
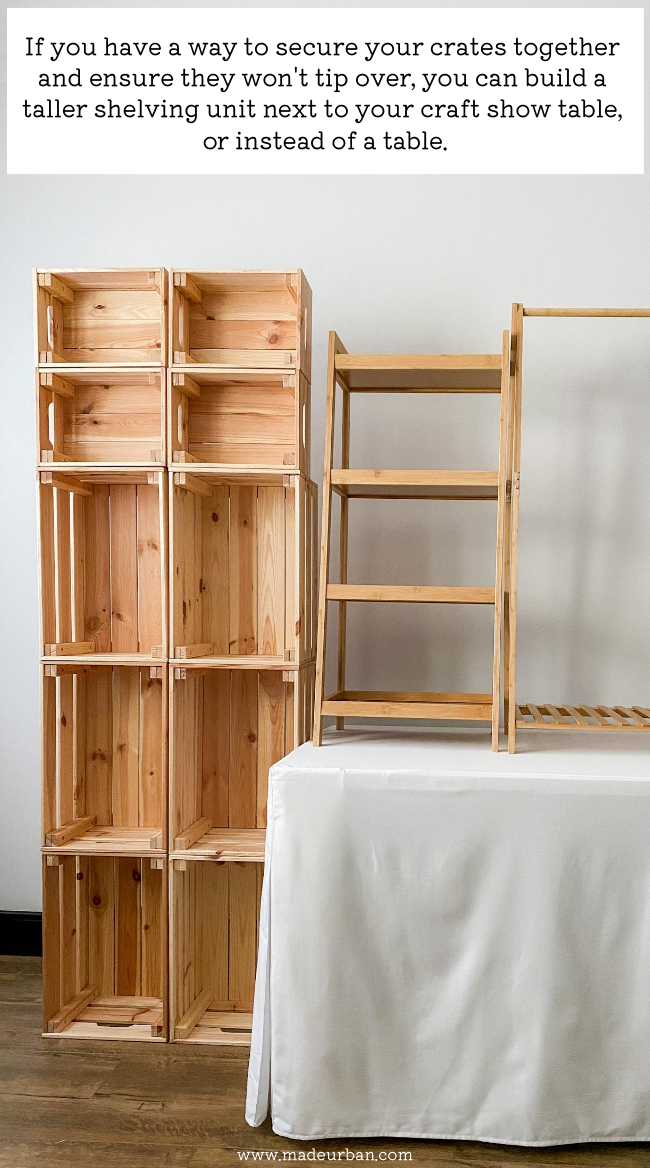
(128,1105)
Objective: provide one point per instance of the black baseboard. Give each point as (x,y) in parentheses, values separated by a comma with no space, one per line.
(20,934)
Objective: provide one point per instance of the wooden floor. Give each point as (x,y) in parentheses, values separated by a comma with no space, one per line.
(127,1105)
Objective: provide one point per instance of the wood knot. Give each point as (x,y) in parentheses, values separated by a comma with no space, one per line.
(252,737)
(97,900)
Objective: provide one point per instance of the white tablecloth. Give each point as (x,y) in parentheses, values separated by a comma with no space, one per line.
(456,944)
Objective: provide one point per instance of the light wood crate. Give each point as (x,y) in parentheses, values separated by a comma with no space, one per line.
(227,728)
(213,950)
(104,563)
(240,417)
(101,416)
(104,758)
(242,567)
(105,947)
(241,320)
(101,317)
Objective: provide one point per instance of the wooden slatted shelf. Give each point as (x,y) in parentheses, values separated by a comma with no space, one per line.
(105,947)
(214,928)
(415,484)
(545,717)
(239,417)
(227,728)
(101,416)
(242,566)
(103,562)
(101,317)
(463,707)
(104,758)
(242,320)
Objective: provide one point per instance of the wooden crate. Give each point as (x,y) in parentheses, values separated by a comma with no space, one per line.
(242,566)
(104,758)
(227,728)
(107,316)
(104,416)
(241,320)
(103,563)
(240,418)
(213,950)
(105,947)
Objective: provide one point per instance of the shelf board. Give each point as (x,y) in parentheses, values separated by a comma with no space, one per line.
(252,661)
(388,704)
(410,593)
(102,366)
(131,1019)
(113,841)
(221,1028)
(229,844)
(415,484)
(563,717)
(105,659)
(421,372)
(222,473)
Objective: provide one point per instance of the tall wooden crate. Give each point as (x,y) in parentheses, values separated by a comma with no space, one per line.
(214,925)
(242,617)
(105,946)
(101,349)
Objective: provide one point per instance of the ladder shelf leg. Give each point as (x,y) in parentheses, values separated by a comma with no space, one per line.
(334,347)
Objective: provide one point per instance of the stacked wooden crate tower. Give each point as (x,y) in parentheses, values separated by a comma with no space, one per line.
(177,560)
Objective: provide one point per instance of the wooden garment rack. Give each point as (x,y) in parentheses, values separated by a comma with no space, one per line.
(417,373)
(544,716)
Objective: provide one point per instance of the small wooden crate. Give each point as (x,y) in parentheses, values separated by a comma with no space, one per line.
(103,563)
(240,418)
(242,566)
(214,929)
(108,316)
(104,416)
(105,947)
(246,320)
(104,758)
(227,728)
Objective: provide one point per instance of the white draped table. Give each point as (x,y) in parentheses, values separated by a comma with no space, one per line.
(456,944)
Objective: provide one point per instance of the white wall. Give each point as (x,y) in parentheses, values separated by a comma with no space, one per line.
(411,264)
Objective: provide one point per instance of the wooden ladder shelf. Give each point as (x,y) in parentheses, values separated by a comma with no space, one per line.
(418,373)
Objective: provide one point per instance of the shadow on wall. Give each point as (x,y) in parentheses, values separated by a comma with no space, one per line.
(584,635)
